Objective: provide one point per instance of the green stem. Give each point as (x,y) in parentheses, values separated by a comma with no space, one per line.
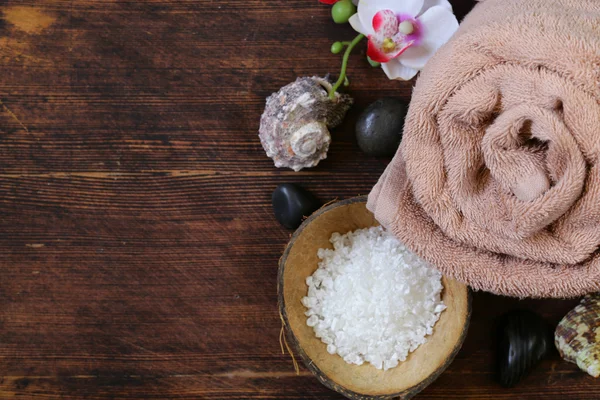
(342,77)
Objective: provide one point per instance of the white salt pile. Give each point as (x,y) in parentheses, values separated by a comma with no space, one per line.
(371,299)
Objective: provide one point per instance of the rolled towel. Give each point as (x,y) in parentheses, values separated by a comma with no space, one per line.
(497,179)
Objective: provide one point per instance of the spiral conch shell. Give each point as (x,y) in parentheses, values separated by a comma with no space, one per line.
(294,128)
(577,336)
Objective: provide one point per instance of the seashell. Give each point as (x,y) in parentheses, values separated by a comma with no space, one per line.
(294,128)
(577,336)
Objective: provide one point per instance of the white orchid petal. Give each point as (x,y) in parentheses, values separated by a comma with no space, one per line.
(368,8)
(357,25)
(416,57)
(395,70)
(427,4)
(439,25)
(365,15)
(410,7)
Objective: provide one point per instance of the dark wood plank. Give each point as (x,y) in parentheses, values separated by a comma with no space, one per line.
(138,251)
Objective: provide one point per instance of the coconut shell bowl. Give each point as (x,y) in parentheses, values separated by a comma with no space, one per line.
(421,367)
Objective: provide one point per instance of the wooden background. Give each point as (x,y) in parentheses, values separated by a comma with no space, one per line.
(138,250)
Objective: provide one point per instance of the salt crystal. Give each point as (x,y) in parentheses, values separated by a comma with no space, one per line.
(372,300)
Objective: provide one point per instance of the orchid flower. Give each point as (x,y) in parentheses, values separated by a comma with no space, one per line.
(404,34)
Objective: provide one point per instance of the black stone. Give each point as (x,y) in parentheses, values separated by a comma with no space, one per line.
(523,341)
(291,203)
(379,127)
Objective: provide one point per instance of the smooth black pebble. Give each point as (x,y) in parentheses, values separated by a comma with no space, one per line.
(291,203)
(379,127)
(524,339)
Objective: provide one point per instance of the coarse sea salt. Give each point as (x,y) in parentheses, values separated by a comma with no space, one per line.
(371,299)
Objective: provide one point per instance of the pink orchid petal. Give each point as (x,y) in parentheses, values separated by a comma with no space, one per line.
(377,52)
(385,23)
(395,70)
(368,8)
(438,25)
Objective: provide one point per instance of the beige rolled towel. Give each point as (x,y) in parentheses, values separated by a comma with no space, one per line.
(497,179)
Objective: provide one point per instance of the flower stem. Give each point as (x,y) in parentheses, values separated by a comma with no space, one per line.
(342,76)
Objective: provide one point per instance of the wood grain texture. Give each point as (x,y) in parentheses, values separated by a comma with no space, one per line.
(138,250)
